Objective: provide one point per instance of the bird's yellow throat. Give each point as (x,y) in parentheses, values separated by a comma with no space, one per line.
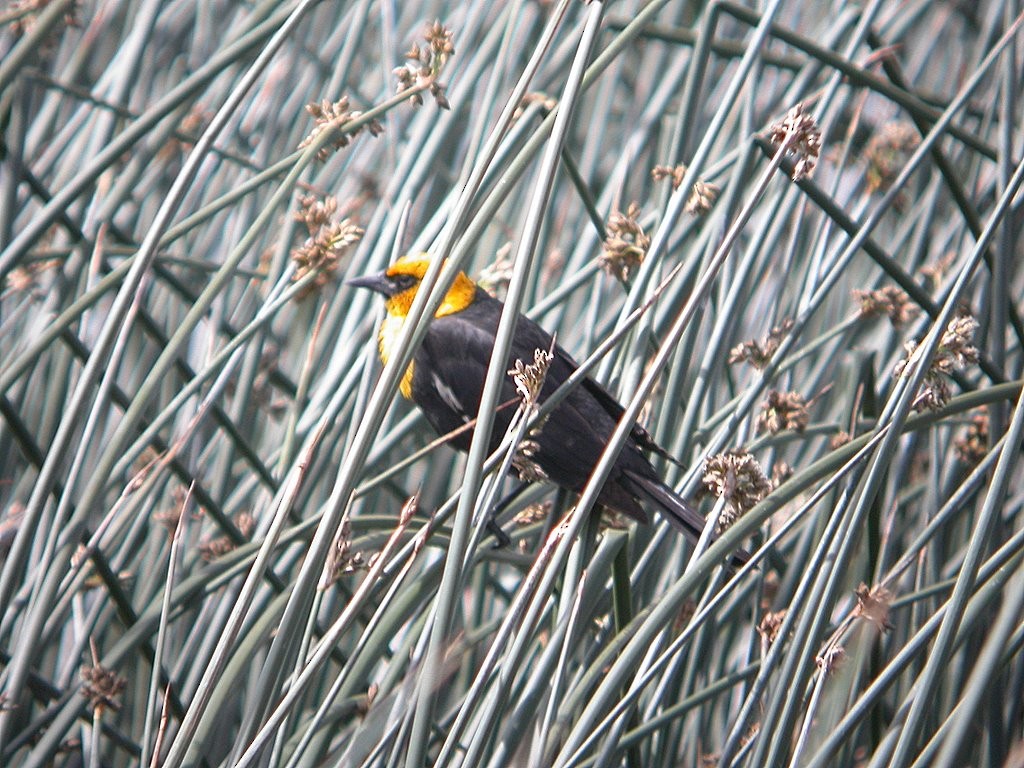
(459,296)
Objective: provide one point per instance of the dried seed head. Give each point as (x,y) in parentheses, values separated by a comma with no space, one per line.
(704,195)
(102,687)
(887,152)
(973,446)
(425,64)
(439,38)
(328,242)
(839,439)
(890,301)
(935,272)
(626,243)
(674,172)
(543,100)
(495,277)
(529,379)
(781,472)
(533,513)
(331,116)
(737,477)
(26,278)
(343,560)
(800,134)
(831,659)
(873,604)
(212,548)
(702,199)
(955,351)
(315,213)
(769,626)
(783,410)
(23,14)
(760,354)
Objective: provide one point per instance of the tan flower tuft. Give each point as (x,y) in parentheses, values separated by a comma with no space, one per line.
(935,272)
(783,410)
(887,152)
(343,560)
(331,116)
(626,243)
(704,195)
(760,354)
(781,472)
(769,627)
(839,439)
(737,477)
(890,301)
(956,351)
(831,659)
(533,513)
(26,278)
(529,381)
(212,548)
(800,134)
(973,447)
(22,15)
(102,687)
(327,243)
(425,64)
(495,277)
(546,103)
(873,604)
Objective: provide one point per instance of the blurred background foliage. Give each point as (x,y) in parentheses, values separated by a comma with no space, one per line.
(785,234)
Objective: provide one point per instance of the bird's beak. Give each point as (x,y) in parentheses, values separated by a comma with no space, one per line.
(378,283)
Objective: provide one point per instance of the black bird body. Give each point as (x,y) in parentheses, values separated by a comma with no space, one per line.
(446,381)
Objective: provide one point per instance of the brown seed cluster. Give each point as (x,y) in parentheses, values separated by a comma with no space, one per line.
(973,446)
(212,548)
(533,513)
(956,351)
(102,687)
(873,604)
(799,132)
(887,152)
(769,627)
(529,381)
(890,301)
(546,103)
(626,243)
(783,410)
(839,439)
(26,278)
(759,354)
(425,65)
(737,477)
(704,195)
(495,277)
(332,116)
(329,240)
(23,14)
(343,559)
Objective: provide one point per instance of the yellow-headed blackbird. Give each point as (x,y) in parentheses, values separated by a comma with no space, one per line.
(446,379)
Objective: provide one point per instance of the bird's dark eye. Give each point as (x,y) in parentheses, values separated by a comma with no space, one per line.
(403,282)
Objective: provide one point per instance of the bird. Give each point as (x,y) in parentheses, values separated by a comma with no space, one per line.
(445,379)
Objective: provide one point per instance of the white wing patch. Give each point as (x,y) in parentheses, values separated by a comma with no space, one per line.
(448,395)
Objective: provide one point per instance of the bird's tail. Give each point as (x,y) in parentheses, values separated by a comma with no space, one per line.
(676,510)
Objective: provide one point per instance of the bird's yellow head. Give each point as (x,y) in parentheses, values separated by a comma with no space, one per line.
(400,282)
